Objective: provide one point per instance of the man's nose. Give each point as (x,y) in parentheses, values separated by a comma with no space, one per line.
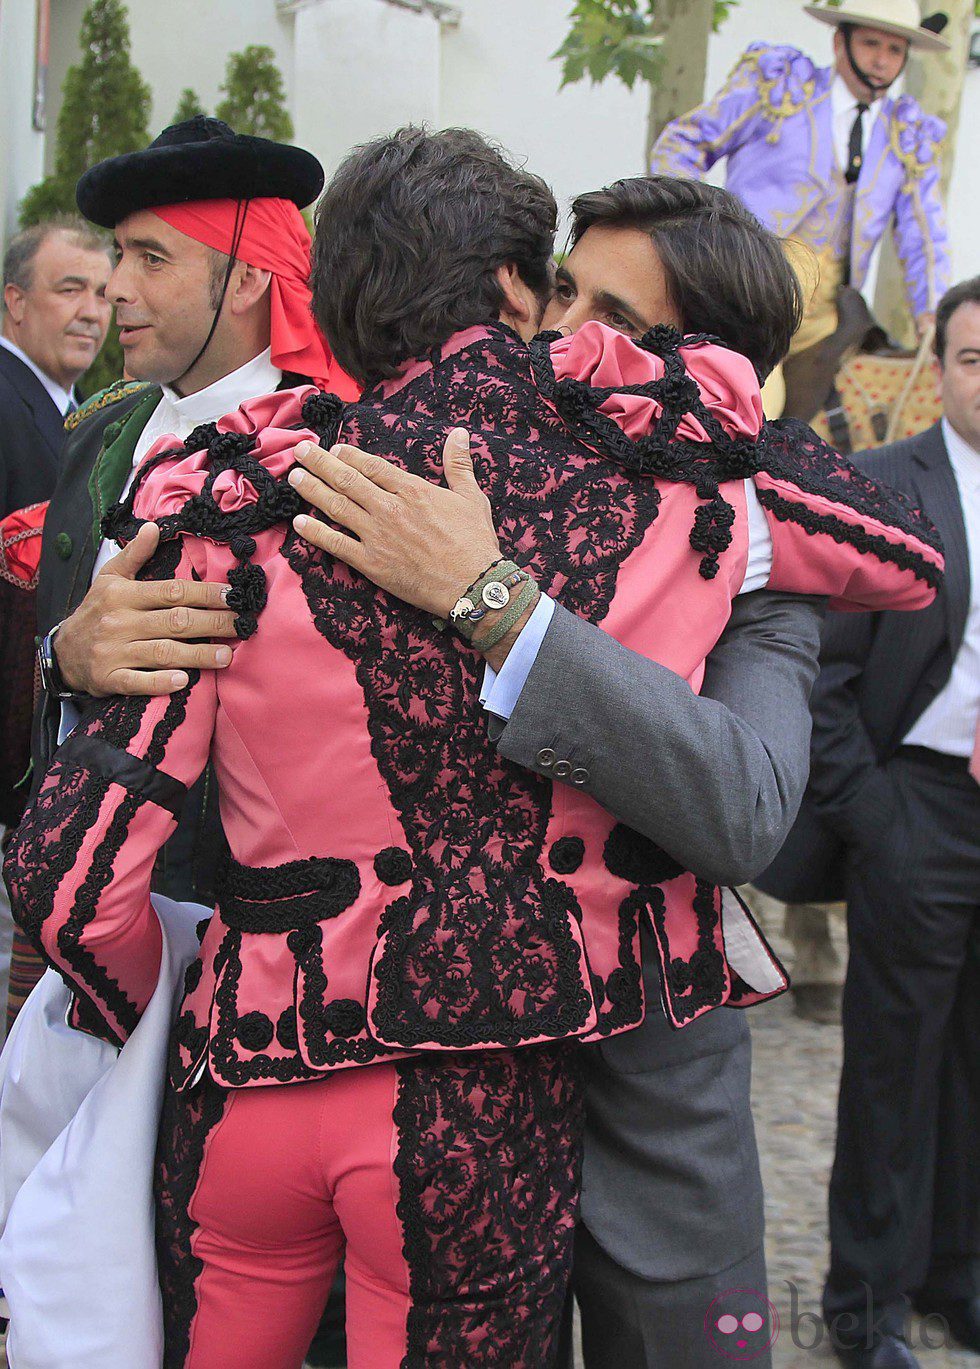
(89,307)
(572,316)
(117,289)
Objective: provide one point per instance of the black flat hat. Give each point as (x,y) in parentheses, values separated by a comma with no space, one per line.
(199,159)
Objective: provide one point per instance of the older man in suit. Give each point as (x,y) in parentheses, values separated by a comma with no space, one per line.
(55,317)
(893,817)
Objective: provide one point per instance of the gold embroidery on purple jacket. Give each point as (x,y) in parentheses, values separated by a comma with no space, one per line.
(772,120)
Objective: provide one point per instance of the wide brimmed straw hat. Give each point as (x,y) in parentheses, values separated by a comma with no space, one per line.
(900,17)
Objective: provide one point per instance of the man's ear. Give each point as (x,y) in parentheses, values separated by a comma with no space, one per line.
(14,301)
(519,301)
(247,286)
(521,308)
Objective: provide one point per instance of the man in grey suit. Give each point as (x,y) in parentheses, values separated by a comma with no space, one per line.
(672,1197)
(672,1212)
(893,814)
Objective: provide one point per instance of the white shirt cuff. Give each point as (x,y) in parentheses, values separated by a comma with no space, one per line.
(500,693)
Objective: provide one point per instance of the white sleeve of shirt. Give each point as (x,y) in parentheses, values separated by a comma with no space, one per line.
(500,693)
(759,565)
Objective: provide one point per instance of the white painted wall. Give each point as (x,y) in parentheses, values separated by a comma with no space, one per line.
(357,68)
(362,67)
(21,146)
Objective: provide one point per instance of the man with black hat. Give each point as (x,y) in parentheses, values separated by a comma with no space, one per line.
(211,298)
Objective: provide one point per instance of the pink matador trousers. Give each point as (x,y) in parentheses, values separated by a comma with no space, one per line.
(451,1181)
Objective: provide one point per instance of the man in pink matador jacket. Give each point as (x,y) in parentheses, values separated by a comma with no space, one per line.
(399,896)
(825,156)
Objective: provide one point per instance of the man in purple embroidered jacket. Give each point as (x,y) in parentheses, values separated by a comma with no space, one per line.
(825,156)
(477,923)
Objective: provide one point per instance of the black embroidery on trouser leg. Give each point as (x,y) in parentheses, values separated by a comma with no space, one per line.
(186,1123)
(488,1168)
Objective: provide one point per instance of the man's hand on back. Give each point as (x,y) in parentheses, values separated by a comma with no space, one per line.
(422,542)
(131,636)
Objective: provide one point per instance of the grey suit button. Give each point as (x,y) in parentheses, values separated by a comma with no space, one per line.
(562,768)
(546,757)
(580,776)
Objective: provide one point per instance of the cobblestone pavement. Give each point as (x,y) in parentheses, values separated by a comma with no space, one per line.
(796,1065)
(794,1096)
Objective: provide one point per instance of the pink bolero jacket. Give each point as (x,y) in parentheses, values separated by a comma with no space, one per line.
(396,885)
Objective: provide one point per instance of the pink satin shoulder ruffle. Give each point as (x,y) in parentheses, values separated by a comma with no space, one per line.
(601,357)
(168,487)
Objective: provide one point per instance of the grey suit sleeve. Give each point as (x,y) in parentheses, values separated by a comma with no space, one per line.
(715,779)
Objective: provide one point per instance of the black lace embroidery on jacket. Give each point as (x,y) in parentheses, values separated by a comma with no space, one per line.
(705,465)
(488,1169)
(187,1121)
(479,948)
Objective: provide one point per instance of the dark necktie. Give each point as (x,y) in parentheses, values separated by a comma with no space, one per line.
(72,406)
(854,146)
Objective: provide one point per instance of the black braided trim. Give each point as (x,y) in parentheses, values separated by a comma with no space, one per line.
(661,452)
(698,982)
(331,1038)
(119,767)
(630,855)
(333,1035)
(621,996)
(102,987)
(282,898)
(870,543)
(202,516)
(790,450)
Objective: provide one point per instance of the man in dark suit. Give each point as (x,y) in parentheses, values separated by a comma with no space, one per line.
(55,317)
(892,822)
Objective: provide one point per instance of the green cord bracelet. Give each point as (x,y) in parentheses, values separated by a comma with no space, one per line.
(503,625)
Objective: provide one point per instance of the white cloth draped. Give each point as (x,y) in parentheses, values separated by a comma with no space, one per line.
(78,1132)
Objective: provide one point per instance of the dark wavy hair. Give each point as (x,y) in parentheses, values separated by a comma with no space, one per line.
(726,273)
(409,233)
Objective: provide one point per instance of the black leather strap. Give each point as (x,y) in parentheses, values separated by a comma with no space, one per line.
(134,774)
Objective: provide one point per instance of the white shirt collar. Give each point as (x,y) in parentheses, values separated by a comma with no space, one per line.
(257,377)
(60,397)
(964,459)
(843,102)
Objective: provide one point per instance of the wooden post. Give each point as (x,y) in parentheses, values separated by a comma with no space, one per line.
(686,27)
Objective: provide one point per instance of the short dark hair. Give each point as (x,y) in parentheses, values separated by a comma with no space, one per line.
(18,260)
(726,273)
(966,292)
(409,233)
